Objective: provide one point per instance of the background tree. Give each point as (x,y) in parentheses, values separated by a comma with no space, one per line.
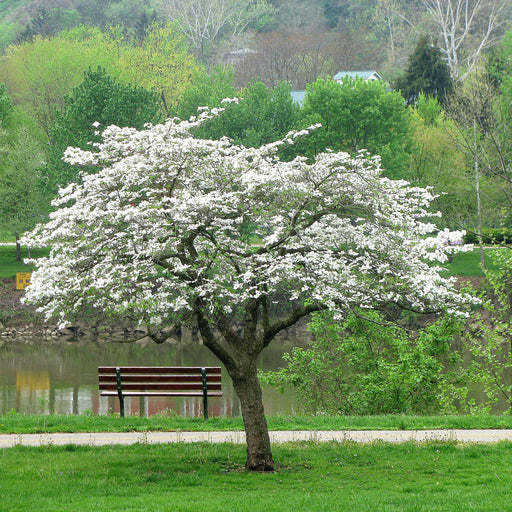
(466,28)
(38,83)
(299,58)
(21,202)
(357,115)
(99,99)
(203,21)
(206,90)
(426,73)
(162,64)
(261,115)
(158,235)
(482,118)
(6,106)
(302,16)
(49,22)
(437,162)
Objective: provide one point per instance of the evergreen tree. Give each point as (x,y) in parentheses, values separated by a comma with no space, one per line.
(99,99)
(427,73)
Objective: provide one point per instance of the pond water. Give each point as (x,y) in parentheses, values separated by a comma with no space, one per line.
(42,377)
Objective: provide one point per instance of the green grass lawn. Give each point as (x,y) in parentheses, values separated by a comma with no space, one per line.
(26,424)
(310,477)
(468,264)
(9,267)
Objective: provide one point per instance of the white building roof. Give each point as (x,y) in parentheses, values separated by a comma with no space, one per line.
(365,75)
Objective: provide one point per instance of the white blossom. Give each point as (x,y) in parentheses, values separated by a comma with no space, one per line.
(172,221)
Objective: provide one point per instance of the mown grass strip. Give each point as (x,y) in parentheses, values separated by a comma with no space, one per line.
(328,477)
(14,423)
(9,267)
(468,264)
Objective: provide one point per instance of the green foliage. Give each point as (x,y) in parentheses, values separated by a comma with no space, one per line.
(206,90)
(500,279)
(49,22)
(38,83)
(439,162)
(263,114)
(489,338)
(357,115)
(490,236)
(429,109)
(8,33)
(21,202)
(6,106)
(497,63)
(426,73)
(364,366)
(161,64)
(98,99)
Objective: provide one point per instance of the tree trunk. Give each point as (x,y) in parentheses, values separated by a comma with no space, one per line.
(478,199)
(18,248)
(248,389)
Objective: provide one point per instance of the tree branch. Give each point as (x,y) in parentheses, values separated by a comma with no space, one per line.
(274,329)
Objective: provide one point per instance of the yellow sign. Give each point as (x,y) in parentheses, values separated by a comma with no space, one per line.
(22,280)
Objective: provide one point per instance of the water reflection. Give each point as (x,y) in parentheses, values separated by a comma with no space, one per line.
(44,377)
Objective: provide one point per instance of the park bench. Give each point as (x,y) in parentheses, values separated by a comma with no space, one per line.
(141,381)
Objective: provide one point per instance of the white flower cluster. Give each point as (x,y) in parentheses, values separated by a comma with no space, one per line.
(172,223)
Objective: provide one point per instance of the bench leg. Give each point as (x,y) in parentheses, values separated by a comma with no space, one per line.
(120,392)
(205,393)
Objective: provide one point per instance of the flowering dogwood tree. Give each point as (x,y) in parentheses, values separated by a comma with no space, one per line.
(175,228)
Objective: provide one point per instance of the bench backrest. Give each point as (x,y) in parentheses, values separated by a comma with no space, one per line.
(160,378)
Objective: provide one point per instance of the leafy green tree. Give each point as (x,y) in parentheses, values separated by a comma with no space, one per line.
(365,366)
(6,107)
(438,162)
(49,22)
(39,74)
(21,202)
(99,99)
(357,115)
(489,340)
(206,90)
(426,73)
(162,64)
(260,115)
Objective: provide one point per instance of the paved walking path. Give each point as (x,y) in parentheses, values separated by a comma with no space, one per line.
(358,436)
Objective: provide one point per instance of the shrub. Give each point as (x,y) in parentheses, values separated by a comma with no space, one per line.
(365,366)
(490,236)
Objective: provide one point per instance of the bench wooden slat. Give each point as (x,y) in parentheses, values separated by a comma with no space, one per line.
(159,386)
(159,369)
(163,393)
(159,378)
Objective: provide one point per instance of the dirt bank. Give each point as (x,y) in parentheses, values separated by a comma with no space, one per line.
(21,322)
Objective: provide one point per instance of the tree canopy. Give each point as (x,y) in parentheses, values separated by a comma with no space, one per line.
(178,229)
(358,115)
